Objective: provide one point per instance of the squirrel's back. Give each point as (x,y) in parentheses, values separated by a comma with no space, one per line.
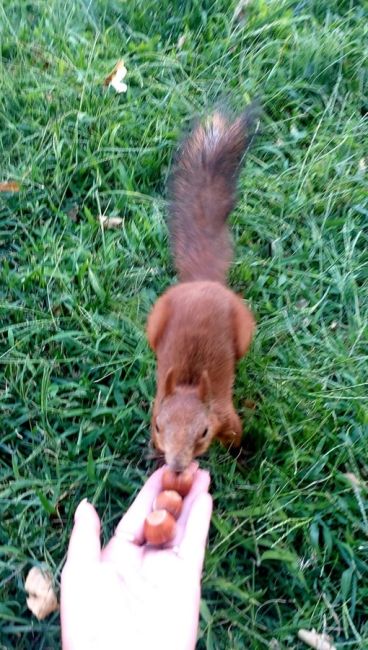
(202,192)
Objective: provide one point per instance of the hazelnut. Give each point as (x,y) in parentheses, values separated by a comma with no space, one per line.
(181,483)
(159,527)
(169,500)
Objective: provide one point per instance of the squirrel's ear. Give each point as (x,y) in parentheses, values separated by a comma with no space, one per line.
(169,383)
(204,388)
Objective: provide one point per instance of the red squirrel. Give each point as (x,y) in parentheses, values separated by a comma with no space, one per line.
(199,328)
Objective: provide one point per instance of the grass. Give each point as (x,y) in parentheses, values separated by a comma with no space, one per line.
(288,542)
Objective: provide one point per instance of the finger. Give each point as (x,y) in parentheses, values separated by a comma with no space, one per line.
(200,485)
(131,524)
(84,544)
(193,545)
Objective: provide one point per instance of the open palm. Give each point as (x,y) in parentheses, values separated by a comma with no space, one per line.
(130,595)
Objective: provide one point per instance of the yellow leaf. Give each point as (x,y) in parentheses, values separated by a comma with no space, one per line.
(115,78)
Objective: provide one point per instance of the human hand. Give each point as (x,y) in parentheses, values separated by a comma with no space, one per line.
(130,596)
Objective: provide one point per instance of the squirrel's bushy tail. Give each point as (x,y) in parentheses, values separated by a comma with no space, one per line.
(202,191)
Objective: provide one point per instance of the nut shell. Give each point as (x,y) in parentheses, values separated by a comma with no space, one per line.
(181,483)
(42,598)
(159,527)
(169,500)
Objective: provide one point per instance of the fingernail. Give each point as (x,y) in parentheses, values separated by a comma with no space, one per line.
(80,508)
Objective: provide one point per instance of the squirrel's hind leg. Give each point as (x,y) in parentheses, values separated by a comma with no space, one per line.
(243,326)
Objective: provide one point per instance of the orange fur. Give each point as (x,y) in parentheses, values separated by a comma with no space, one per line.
(200,328)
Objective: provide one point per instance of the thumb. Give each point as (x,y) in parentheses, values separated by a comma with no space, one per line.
(84,544)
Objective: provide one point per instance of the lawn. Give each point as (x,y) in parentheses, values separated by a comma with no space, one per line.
(288,545)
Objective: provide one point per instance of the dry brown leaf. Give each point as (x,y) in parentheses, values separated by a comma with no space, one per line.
(9,186)
(315,640)
(42,598)
(110,222)
(115,78)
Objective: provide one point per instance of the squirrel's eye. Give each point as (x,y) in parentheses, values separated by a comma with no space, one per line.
(204,433)
(157,428)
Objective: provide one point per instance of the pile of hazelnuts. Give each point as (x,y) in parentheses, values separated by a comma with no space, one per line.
(160,524)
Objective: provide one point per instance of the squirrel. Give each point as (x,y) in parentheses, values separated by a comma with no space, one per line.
(199,328)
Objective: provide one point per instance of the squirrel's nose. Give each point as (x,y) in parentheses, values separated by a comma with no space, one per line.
(177,465)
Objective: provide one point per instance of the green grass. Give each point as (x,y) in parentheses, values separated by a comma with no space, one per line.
(289,538)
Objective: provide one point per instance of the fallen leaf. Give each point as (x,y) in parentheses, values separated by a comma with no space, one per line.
(250,404)
(42,598)
(115,78)
(315,640)
(9,186)
(110,222)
